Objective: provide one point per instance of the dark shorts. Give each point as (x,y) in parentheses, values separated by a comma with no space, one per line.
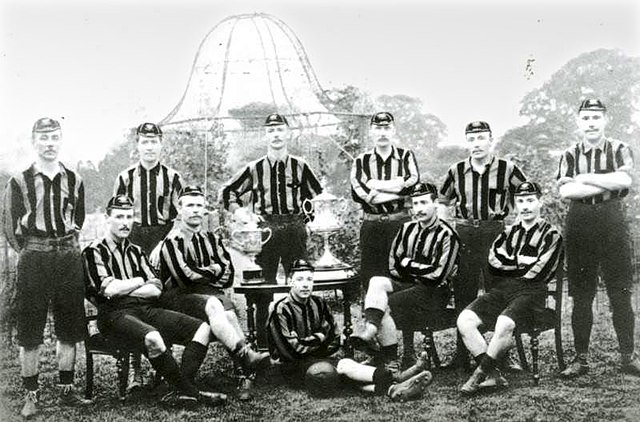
(414,306)
(515,299)
(193,301)
(129,326)
(53,276)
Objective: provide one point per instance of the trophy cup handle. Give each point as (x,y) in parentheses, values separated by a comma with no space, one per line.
(268,230)
(343,205)
(235,237)
(307,206)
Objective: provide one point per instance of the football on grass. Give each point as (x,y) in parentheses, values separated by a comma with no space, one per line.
(321,379)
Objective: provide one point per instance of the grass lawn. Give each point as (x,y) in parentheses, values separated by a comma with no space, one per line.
(603,395)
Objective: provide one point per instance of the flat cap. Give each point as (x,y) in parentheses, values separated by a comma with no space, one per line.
(121,202)
(592,104)
(301,265)
(528,188)
(422,188)
(149,129)
(275,119)
(45,124)
(477,126)
(191,190)
(384,118)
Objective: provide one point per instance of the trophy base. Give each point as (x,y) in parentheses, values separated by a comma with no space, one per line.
(252,276)
(338,272)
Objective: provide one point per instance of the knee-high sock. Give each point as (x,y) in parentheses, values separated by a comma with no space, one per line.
(382,379)
(167,366)
(387,331)
(192,357)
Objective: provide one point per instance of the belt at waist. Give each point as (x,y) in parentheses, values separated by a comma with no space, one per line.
(45,244)
(399,215)
(471,222)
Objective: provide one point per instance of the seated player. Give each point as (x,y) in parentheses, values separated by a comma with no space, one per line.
(523,259)
(301,331)
(125,290)
(195,268)
(300,327)
(423,257)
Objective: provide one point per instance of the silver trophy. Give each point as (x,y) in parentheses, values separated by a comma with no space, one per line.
(249,239)
(326,209)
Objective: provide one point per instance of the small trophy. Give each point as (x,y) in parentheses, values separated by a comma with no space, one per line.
(325,208)
(249,239)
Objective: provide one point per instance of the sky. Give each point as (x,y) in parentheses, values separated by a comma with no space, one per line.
(104,66)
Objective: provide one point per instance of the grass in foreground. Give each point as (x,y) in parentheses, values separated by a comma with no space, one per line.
(603,395)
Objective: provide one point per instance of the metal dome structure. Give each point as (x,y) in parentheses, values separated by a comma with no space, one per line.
(251,59)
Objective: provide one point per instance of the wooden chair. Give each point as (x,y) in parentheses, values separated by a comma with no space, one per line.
(549,318)
(446,321)
(97,344)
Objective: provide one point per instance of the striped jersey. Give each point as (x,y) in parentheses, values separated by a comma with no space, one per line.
(35,205)
(292,329)
(276,187)
(432,253)
(531,255)
(105,261)
(370,165)
(607,157)
(486,196)
(187,258)
(154,193)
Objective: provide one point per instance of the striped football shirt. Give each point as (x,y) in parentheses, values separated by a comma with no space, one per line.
(187,259)
(278,187)
(486,196)
(369,165)
(35,205)
(531,255)
(611,155)
(432,252)
(154,193)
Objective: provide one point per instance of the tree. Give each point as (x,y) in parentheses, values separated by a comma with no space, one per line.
(551,111)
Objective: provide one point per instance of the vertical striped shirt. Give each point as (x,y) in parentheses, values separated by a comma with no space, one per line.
(35,205)
(276,187)
(531,255)
(432,253)
(611,155)
(187,258)
(370,165)
(154,193)
(486,196)
(293,327)
(105,261)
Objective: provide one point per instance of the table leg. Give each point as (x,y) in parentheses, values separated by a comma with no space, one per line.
(251,322)
(346,306)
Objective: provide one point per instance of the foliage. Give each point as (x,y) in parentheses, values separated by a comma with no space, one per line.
(551,111)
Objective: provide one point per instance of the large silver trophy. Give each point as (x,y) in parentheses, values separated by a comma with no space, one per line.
(249,239)
(326,209)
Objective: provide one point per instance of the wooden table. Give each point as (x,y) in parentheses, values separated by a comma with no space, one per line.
(348,286)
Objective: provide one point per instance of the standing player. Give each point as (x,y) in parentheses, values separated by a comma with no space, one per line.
(523,260)
(480,188)
(595,175)
(279,183)
(423,257)
(196,268)
(43,214)
(381,180)
(125,290)
(154,189)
